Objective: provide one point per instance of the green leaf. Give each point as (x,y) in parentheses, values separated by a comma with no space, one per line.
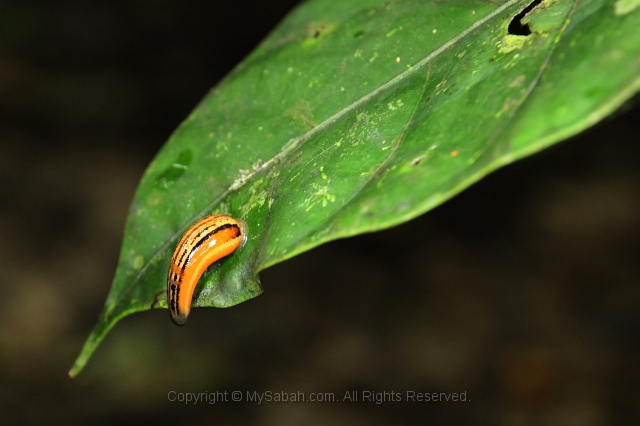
(355,116)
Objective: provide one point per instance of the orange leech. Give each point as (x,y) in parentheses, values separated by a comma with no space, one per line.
(207,241)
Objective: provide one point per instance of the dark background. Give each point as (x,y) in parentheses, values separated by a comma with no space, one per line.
(523,291)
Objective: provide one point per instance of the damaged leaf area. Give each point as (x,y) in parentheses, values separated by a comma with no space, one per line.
(356,116)
(538,19)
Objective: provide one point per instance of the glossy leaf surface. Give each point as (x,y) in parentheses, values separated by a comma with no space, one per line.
(355,116)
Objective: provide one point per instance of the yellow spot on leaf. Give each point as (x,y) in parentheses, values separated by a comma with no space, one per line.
(320,196)
(394,105)
(138,262)
(316,31)
(257,199)
(393,31)
(511,42)
(622,7)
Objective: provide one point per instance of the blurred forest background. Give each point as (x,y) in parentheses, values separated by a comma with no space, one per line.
(523,291)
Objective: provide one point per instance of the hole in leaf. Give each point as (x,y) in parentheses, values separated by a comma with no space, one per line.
(516,27)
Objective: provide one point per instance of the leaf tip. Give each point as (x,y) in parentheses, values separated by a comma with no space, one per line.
(87,350)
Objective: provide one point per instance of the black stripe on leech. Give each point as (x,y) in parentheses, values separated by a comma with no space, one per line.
(187,238)
(218,229)
(182,265)
(185,252)
(202,231)
(174,299)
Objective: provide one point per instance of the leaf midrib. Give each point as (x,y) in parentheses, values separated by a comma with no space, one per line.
(294,143)
(400,138)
